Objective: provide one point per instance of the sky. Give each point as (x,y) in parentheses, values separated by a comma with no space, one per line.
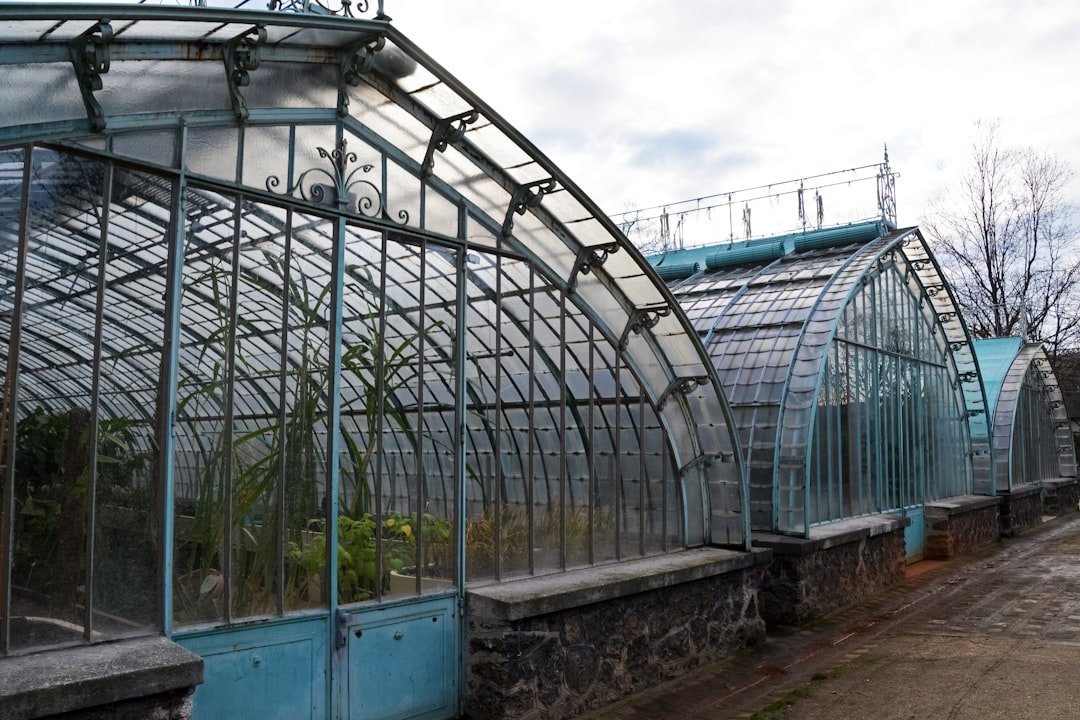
(644,104)
(650,104)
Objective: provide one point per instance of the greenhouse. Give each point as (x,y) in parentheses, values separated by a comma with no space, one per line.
(273,277)
(854,388)
(1032,444)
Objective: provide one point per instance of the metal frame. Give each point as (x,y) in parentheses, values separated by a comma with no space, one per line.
(518,209)
(773,320)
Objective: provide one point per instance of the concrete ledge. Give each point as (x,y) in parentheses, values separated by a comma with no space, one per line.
(1023,491)
(72,679)
(963,504)
(823,537)
(531,597)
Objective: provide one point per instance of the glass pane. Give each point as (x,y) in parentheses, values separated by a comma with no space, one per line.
(53,437)
(299,263)
(260,440)
(126,524)
(203,435)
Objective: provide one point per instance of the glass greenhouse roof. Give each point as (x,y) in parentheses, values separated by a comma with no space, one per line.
(276,124)
(159,73)
(1032,439)
(770,311)
(996,356)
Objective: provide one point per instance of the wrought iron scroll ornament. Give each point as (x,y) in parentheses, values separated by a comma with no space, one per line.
(356,62)
(641,320)
(347,189)
(525,197)
(241,57)
(706,460)
(589,258)
(342,8)
(886,182)
(683,386)
(90,57)
(446,131)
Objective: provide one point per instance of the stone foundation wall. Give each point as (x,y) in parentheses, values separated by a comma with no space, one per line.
(147,678)
(563,663)
(960,525)
(166,706)
(802,585)
(1060,497)
(1020,510)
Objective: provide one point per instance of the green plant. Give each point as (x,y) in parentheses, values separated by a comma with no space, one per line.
(53,466)
(359,541)
(252,459)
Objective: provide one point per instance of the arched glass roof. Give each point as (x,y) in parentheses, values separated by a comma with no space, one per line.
(326,112)
(1032,440)
(791,322)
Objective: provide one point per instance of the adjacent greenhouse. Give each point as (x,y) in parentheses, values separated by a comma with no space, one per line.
(1031,438)
(848,369)
(271,278)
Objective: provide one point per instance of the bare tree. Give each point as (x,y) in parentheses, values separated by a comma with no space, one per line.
(1005,238)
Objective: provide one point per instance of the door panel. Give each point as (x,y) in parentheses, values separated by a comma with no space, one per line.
(268,671)
(403,661)
(915,534)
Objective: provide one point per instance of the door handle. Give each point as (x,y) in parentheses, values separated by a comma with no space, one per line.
(342,628)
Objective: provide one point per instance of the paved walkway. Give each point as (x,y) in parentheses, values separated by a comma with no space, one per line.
(991,636)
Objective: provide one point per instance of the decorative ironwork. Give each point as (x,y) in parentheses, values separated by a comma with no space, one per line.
(933,290)
(684,386)
(90,57)
(886,190)
(341,8)
(356,62)
(346,190)
(706,460)
(446,131)
(967,377)
(525,197)
(589,258)
(241,57)
(802,206)
(641,320)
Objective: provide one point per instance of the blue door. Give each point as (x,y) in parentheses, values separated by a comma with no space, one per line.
(387,662)
(915,533)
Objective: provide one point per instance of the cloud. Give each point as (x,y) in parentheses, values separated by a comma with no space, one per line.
(643,104)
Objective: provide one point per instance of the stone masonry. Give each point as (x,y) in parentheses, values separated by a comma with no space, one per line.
(563,663)
(810,578)
(1021,509)
(1061,496)
(961,525)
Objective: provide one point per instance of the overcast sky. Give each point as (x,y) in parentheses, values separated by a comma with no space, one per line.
(647,103)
